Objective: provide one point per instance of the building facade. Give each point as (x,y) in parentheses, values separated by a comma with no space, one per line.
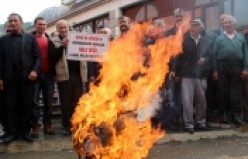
(87,15)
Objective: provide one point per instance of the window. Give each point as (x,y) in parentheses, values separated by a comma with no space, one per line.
(152,12)
(212,20)
(227,7)
(198,12)
(92,25)
(87,28)
(188,13)
(140,16)
(169,21)
(185,4)
(201,2)
(240,10)
(102,22)
(146,12)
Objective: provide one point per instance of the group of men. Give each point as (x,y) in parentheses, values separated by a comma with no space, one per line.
(212,69)
(30,63)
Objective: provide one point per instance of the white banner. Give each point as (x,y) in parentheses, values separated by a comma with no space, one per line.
(87,47)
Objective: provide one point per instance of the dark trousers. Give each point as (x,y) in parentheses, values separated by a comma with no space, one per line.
(211,98)
(18,93)
(229,87)
(2,118)
(44,84)
(174,102)
(245,99)
(69,94)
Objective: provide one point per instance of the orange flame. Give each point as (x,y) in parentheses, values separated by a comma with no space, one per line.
(106,121)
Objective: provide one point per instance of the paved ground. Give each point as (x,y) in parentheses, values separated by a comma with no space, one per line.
(221,148)
(228,143)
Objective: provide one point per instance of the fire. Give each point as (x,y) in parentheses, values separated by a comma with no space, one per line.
(111,121)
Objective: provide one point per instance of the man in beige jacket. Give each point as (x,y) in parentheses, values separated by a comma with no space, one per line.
(70,76)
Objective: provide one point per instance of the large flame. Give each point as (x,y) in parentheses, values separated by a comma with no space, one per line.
(109,121)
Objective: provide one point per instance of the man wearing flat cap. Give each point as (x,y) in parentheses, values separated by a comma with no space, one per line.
(192,66)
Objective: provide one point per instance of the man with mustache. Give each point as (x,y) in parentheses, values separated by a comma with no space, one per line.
(20,63)
(125,24)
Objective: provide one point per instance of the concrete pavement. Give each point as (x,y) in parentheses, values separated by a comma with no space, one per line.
(60,142)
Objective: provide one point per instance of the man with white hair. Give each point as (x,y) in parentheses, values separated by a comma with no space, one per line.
(230,67)
(70,76)
(220,31)
(178,15)
(155,31)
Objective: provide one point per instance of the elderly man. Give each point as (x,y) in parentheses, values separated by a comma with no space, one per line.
(230,67)
(178,16)
(220,31)
(192,66)
(70,76)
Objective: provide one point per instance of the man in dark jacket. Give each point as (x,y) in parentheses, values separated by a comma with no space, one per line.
(173,99)
(245,87)
(192,66)
(211,93)
(44,81)
(7,30)
(20,63)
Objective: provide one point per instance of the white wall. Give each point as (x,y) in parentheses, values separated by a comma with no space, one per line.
(110,6)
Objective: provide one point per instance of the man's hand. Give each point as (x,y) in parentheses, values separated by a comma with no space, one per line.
(32,76)
(172,75)
(92,78)
(244,75)
(201,61)
(1,85)
(65,42)
(215,75)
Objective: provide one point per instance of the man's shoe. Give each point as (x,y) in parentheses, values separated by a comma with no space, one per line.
(35,130)
(48,130)
(27,137)
(2,136)
(224,118)
(237,121)
(9,138)
(202,128)
(189,130)
(66,132)
(246,120)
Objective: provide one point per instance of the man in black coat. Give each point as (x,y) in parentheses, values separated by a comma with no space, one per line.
(20,63)
(192,66)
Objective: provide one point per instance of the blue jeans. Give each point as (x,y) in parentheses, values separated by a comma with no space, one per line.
(44,84)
